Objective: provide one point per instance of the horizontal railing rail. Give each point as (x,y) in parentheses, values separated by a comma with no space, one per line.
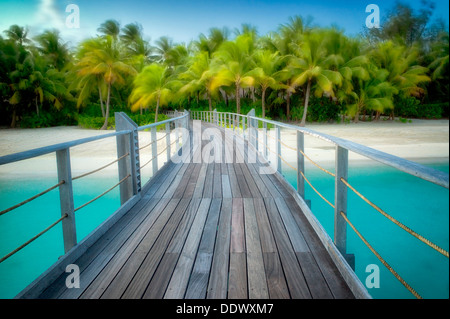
(128,165)
(250,126)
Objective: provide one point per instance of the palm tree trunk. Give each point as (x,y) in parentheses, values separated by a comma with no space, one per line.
(13,121)
(37,106)
(105,125)
(101,100)
(263,102)
(209,101)
(157,108)
(305,111)
(238,99)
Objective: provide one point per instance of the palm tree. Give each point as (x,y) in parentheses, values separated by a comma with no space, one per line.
(236,63)
(155,84)
(136,47)
(213,41)
(53,49)
(403,70)
(18,34)
(110,28)
(105,61)
(269,73)
(199,76)
(312,65)
(163,47)
(48,85)
(372,91)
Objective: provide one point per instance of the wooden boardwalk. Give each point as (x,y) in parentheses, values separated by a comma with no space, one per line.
(208,231)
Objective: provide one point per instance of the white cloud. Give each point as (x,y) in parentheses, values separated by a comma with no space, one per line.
(48,16)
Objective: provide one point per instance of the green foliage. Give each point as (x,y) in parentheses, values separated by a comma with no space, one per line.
(412,108)
(298,72)
(48,119)
(93,122)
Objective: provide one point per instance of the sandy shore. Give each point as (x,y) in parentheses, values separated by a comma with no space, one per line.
(418,141)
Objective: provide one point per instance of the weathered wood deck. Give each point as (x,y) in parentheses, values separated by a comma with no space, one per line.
(208,231)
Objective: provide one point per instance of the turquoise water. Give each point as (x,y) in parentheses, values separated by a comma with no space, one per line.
(20,225)
(418,204)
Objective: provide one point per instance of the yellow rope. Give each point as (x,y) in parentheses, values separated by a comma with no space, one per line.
(31,198)
(294,149)
(381,259)
(104,193)
(99,169)
(294,168)
(392,219)
(33,239)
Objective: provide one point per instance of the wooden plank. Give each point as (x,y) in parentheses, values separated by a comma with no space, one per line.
(168,193)
(276,282)
(180,277)
(237,285)
(335,282)
(161,278)
(198,192)
(217,185)
(190,188)
(178,240)
(235,190)
(141,279)
(131,261)
(268,244)
(218,282)
(184,182)
(314,277)
(208,187)
(198,282)
(250,181)
(106,244)
(245,190)
(226,187)
(297,240)
(237,227)
(257,282)
(102,281)
(294,276)
(255,174)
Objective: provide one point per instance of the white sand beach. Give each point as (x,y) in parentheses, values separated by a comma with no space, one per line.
(421,140)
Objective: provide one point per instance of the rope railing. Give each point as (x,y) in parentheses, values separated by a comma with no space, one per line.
(32,239)
(399,278)
(153,142)
(31,198)
(100,168)
(396,222)
(102,194)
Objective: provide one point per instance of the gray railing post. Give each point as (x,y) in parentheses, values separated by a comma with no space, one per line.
(265,140)
(340,205)
(278,148)
(250,124)
(154,139)
(168,151)
(215,117)
(66,199)
(129,165)
(300,164)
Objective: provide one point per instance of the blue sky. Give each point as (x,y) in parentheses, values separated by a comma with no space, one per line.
(184,20)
